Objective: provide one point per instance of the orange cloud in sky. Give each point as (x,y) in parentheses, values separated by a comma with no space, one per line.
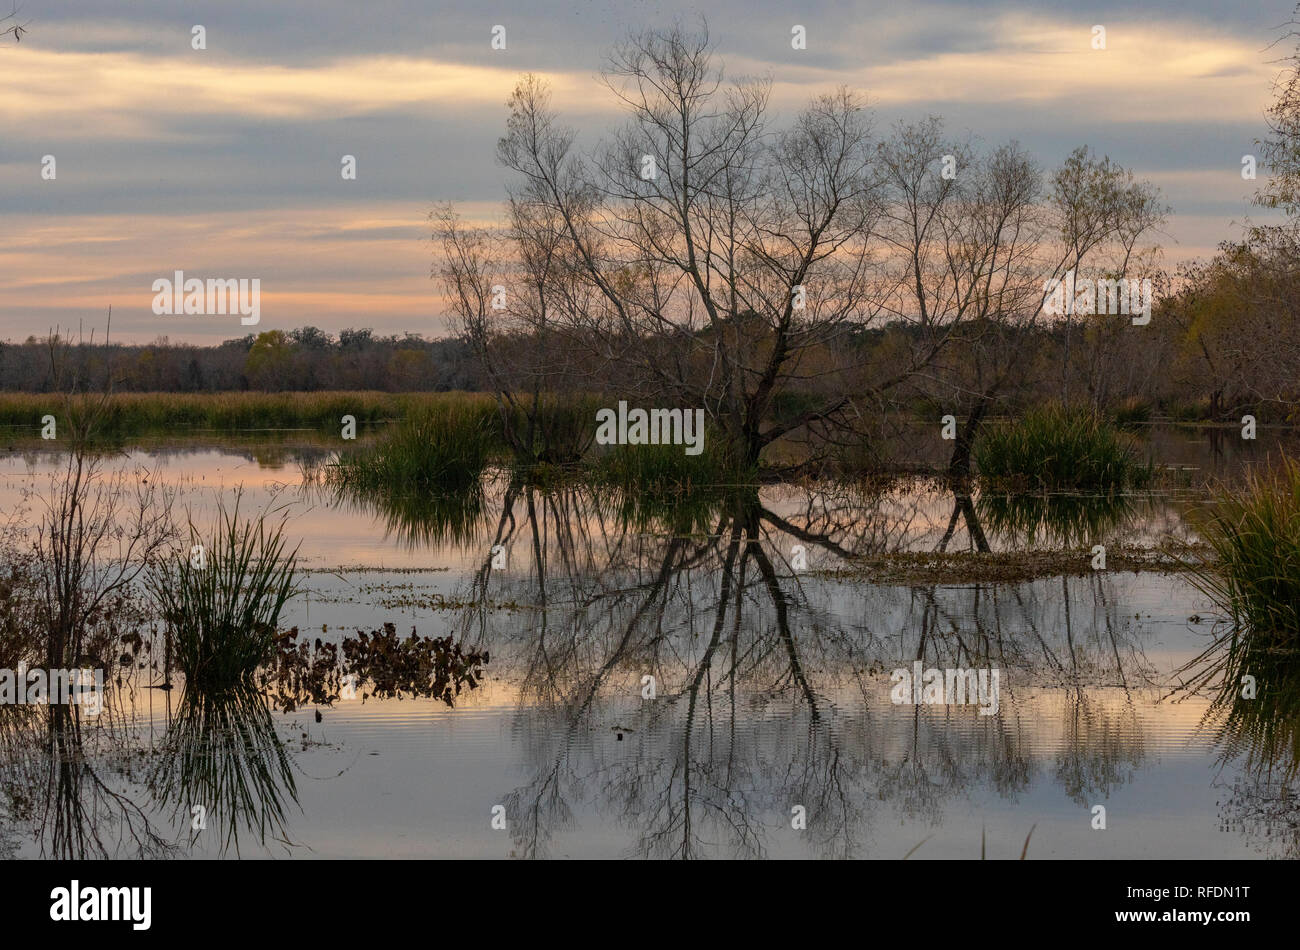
(346,262)
(336,266)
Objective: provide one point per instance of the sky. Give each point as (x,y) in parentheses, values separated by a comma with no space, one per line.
(225,162)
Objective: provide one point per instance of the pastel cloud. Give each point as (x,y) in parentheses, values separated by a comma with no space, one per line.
(224,162)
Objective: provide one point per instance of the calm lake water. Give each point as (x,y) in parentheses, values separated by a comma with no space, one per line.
(770,662)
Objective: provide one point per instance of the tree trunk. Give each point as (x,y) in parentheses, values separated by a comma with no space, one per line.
(959,465)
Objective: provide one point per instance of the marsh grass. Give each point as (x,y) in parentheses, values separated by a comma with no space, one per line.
(1132,413)
(222,614)
(439,450)
(552,430)
(1055,448)
(555,430)
(665,470)
(1254,577)
(660,487)
(133,414)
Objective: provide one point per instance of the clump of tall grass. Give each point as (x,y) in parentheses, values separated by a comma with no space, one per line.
(221,599)
(1059,447)
(442,449)
(1254,534)
(1132,412)
(668,469)
(660,487)
(1253,579)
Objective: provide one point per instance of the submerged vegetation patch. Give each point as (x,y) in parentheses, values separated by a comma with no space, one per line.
(379,663)
(1007,567)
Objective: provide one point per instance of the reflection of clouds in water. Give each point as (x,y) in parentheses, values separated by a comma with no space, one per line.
(771,683)
(766,697)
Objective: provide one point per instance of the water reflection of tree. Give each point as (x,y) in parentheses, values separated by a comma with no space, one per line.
(63,775)
(768,687)
(79,786)
(1257,729)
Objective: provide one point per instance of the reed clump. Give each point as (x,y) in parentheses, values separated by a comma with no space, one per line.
(1254,576)
(442,449)
(660,469)
(1059,448)
(222,597)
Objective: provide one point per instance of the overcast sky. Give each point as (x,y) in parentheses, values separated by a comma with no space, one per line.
(225,162)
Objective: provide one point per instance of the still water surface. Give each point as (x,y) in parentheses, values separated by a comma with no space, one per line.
(771,677)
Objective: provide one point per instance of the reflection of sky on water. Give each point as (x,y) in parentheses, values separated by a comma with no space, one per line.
(713,766)
(334,533)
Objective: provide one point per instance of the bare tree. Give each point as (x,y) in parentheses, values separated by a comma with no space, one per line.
(976,238)
(720,252)
(1103,216)
(14,29)
(1281,147)
(722,263)
(515,301)
(966,249)
(99,530)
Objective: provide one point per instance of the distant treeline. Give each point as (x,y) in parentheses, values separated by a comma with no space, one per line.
(302,360)
(1165,369)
